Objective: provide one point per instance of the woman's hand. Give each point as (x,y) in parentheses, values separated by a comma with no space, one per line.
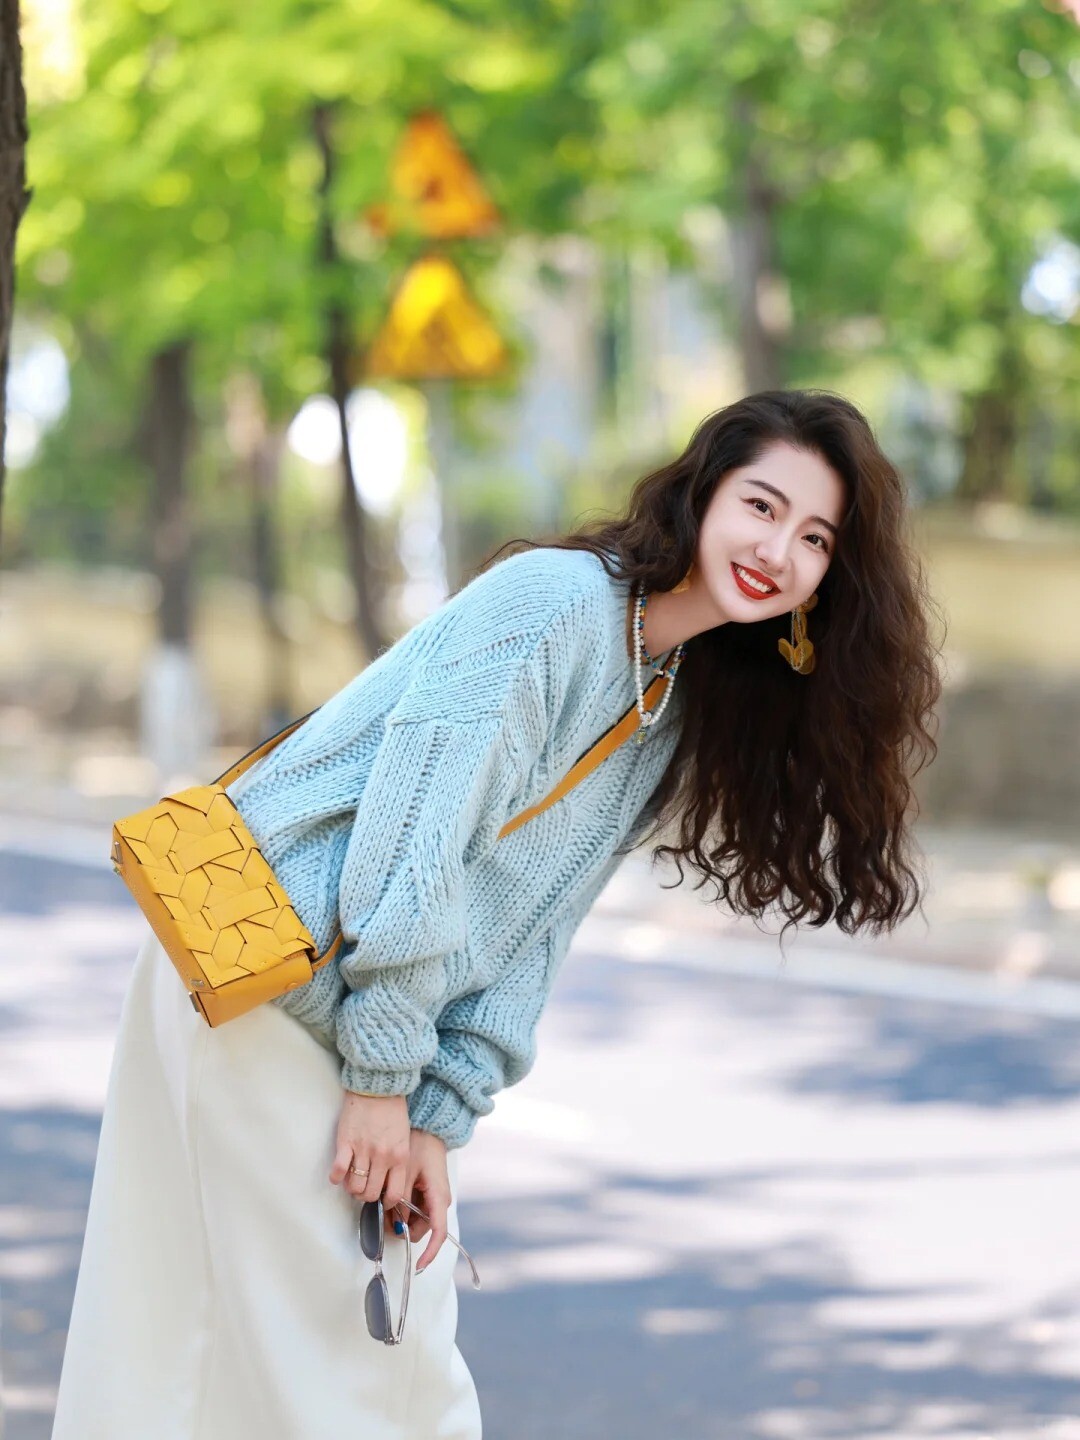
(369,1136)
(430,1192)
(372,1135)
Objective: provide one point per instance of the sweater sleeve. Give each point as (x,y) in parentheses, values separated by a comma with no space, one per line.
(438,790)
(487,1038)
(447,774)
(487,1041)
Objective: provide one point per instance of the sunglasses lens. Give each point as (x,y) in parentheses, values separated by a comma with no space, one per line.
(377,1309)
(370,1227)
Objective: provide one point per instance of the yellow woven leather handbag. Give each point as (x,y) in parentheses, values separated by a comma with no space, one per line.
(215,904)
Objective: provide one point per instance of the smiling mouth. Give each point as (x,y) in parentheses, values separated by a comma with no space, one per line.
(751,585)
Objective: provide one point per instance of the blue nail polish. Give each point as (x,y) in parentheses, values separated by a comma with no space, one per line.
(399,1227)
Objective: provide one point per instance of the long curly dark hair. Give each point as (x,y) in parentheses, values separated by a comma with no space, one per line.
(786,790)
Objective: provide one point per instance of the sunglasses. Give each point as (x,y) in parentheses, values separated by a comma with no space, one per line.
(371,1228)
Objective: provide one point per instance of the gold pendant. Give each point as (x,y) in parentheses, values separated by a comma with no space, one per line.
(800,657)
(799,652)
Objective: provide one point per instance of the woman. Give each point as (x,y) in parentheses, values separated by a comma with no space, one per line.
(767,568)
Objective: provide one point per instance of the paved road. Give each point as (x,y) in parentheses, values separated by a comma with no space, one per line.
(833,1200)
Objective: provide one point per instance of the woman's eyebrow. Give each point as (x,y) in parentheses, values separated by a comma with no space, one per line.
(764,485)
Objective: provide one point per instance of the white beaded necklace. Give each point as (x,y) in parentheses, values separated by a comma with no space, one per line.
(650,717)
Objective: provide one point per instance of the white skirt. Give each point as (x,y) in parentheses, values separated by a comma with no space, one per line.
(220,1294)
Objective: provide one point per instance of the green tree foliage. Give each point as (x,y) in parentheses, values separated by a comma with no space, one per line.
(889,172)
(179,183)
(177,178)
(906,164)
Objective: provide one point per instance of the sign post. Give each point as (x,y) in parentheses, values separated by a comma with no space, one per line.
(435,331)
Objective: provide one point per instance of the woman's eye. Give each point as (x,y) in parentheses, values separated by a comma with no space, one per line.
(824,543)
(765,503)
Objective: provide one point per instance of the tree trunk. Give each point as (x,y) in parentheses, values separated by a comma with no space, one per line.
(992,435)
(989,445)
(14,196)
(265,472)
(176,719)
(762,302)
(169,438)
(340,360)
(258,449)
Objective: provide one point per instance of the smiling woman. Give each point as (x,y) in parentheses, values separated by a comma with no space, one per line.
(773,549)
(393,818)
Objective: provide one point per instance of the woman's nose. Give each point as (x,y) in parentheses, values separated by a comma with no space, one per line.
(773,559)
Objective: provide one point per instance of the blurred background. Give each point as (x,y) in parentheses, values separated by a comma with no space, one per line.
(318,304)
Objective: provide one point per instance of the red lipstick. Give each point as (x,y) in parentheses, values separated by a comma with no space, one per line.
(749,590)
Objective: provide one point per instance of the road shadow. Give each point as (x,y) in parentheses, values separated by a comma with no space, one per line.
(23,893)
(46,1163)
(918,1054)
(912,1051)
(730,1345)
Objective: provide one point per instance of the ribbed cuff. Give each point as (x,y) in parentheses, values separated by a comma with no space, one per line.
(437,1108)
(362,1080)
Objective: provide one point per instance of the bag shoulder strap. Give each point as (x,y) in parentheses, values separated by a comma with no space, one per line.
(600,750)
(607,743)
(245,763)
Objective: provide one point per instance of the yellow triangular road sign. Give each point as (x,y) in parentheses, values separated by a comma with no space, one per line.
(436,189)
(435,329)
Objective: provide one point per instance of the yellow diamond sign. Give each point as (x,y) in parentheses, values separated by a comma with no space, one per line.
(435,329)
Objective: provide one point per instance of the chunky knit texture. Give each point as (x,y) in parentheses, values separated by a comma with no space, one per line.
(382,813)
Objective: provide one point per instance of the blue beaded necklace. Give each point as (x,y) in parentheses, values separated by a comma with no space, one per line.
(677,654)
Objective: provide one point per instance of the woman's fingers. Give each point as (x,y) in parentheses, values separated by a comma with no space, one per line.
(431,1192)
(395,1182)
(369,1186)
(343,1158)
(385,1174)
(437,1207)
(375,1131)
(418,1226)
(402,1214)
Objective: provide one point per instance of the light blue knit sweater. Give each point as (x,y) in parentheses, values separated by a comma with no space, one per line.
(384,809)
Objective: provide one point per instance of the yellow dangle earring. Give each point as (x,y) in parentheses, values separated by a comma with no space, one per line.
(799,652)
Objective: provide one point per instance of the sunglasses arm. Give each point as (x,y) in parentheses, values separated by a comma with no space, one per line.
(405,1287)
(468,1257)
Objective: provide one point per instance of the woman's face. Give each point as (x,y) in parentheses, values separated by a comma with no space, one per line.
(774,521)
